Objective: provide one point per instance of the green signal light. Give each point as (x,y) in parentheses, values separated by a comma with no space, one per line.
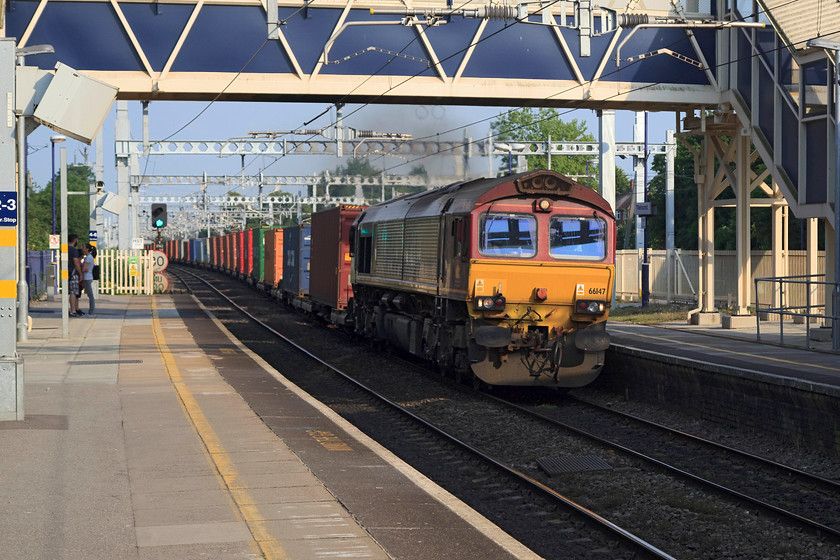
(158,223)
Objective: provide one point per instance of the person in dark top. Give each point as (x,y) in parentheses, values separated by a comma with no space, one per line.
(74,263)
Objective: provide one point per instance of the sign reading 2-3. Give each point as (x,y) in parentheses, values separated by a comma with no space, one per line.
(8,209)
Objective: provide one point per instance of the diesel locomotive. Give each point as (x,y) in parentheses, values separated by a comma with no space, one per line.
(505,281)
(509,279)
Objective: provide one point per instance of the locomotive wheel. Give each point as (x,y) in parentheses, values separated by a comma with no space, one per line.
(478,384)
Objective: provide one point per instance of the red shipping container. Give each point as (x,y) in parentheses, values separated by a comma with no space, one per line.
(215,253)
(329,278)
(273,246)
(229,250)
(246,255)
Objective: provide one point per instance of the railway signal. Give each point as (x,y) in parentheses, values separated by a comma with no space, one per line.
(158,216)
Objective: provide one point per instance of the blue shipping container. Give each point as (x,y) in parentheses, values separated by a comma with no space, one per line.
(296,254)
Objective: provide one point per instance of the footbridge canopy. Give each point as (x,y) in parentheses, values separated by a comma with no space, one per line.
(636,55)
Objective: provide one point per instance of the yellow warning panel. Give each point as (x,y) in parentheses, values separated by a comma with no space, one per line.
(8,237)
(329,440)
(8,289)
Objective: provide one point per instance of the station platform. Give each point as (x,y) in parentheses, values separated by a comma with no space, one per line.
(134,446)
(776,387)
(767,348)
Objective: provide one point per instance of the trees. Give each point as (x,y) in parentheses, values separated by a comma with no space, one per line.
(540,124)
(39,208)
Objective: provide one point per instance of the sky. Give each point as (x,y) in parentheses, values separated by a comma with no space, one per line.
(223,120)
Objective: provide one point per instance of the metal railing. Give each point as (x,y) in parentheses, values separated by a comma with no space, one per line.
(780,289)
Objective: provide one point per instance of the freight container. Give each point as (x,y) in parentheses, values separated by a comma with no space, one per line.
(230,252)
(238,241)
(329,282)
(296,252)
(244,262)
(193,258)
(216,258)
(273,240)
(203,252)
(258,254)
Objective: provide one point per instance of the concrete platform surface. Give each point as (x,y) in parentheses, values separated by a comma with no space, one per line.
(134,446)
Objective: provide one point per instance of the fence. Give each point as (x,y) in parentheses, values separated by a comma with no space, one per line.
(125,272)
(812,289)
(679,281)
(40,273)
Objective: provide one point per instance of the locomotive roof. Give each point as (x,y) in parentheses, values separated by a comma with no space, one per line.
(463,196)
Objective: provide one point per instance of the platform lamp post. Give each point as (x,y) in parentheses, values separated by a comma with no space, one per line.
(835,300)
(56,139)
(22,286)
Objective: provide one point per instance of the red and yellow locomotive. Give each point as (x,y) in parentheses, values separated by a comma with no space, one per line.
(508,279)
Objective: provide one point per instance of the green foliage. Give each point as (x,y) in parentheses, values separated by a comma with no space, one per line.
(652,314)
(685,200)
(358,166)
(39,208)
(419,170)
(540,125)
(685,209)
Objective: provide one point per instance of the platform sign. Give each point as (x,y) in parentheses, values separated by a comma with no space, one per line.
(93,235)
(159,261)
(8,209)
(161,283)
(55,242)
(645,209)
(136,243)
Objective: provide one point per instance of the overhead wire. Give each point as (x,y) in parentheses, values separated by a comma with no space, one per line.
(482,39)
(533,104)
(632,90)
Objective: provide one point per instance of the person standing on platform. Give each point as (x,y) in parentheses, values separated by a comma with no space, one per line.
(74,262)
(88,262)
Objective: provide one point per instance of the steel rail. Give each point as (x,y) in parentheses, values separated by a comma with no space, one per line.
(628,537)
(786,514)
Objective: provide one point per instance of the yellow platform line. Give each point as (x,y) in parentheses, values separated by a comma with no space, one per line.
(219,459)
(724,350)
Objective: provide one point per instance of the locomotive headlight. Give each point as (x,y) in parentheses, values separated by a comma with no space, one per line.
(591,307)
(490,303)
(541,294)
(543,205)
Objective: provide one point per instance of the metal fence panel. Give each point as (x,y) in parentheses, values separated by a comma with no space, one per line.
(39,265)
(683,278)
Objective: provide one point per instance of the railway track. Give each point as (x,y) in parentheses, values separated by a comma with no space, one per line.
(794,495)
(518,440)
(586,533)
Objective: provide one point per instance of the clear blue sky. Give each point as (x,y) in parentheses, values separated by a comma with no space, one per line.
(220,121)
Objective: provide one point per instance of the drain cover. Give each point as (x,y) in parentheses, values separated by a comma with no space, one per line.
(104,362)
(561,465)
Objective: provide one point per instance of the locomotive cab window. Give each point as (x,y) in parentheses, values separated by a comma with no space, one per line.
(577,237)
(508,235)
